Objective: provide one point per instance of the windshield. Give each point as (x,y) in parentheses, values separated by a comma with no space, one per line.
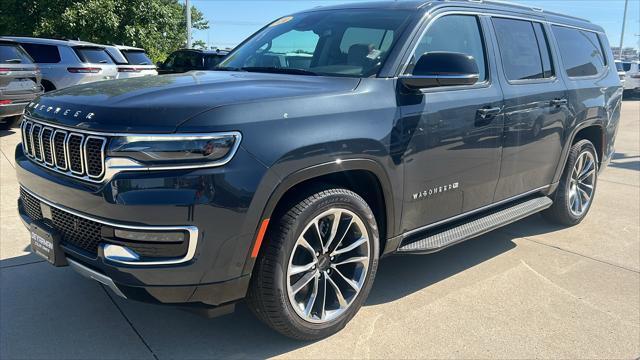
(13,54)
(351,42)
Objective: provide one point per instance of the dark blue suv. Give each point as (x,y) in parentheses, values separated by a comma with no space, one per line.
(324,141)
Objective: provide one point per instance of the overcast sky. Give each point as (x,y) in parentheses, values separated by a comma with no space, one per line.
(231,21)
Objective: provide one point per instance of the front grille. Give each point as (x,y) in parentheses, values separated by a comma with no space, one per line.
(70,152)
(76,231)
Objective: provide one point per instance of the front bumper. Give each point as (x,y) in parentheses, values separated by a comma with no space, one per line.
(213,201)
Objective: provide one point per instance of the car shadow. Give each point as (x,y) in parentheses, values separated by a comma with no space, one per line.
(7,132)
(622,161)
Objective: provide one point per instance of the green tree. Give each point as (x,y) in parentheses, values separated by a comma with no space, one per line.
(159,26)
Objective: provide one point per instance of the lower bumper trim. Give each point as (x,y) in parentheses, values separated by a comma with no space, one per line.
(94,275)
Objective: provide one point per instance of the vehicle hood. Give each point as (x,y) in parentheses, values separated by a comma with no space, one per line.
(159,104)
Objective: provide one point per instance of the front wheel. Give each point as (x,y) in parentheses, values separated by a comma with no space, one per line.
(574,196)
(317,267)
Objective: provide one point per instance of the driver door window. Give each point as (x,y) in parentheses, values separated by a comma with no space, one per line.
(453,33)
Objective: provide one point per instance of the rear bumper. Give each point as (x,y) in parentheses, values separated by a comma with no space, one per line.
(13,109)
(19,102)
(215,201)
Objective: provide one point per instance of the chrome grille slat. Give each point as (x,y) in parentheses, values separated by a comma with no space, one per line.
(74,153)
(45,143)
(71,153)
(59,150)
(36,151)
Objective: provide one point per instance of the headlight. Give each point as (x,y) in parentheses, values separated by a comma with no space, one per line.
(174,149)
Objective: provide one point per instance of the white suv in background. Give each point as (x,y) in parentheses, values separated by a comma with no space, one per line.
(632,77)
(68,62)
(131,61)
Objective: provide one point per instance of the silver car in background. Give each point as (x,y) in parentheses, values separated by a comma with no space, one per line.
(64,63)
(131,61)
(19,82)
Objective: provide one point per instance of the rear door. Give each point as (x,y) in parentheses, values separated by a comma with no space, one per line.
(535,112)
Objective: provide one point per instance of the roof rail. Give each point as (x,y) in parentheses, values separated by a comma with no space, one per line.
(500,2)
(519,6)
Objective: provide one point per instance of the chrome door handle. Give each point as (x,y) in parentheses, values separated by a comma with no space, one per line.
(559,102)
(489,112)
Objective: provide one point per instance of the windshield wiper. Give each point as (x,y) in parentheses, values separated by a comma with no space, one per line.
(275,70)
(226,68)
(18,61)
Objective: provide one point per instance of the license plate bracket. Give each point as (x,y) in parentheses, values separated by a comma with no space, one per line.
(45,241)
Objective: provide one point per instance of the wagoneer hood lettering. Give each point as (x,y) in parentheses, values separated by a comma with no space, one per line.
(159,104)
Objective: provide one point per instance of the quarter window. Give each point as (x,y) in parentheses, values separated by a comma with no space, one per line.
(47,54)
(453,33)
(581,51)
(523,49)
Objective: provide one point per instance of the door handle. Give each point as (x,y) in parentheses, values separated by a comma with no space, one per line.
(486,113)
(559,102)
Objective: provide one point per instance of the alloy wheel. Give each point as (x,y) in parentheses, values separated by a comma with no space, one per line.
(581,186)
(328,265)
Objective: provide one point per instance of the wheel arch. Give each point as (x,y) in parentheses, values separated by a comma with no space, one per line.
(356,175)
(593,131)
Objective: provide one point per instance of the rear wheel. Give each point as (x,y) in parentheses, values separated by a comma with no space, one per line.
(318,265)
(574,196)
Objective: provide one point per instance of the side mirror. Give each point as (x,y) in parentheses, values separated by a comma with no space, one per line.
(159,64)
(442,68)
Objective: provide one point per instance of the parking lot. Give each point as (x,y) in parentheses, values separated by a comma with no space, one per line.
(528,290)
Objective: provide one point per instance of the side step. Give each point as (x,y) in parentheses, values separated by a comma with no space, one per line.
(473,227)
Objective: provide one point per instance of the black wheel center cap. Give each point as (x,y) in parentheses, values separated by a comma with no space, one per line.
(324,262)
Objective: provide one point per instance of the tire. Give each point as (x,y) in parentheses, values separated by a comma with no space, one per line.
(563,211)
(272,293)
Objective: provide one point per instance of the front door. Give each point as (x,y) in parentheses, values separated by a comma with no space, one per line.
(452,160)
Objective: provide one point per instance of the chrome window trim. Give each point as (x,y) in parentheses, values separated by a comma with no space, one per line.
(80,149)
(102,155)
(192,230)
(480,13)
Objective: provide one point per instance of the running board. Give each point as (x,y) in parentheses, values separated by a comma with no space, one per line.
(473,227)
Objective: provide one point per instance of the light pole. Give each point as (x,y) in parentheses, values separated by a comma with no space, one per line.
(188,24)
(624,21)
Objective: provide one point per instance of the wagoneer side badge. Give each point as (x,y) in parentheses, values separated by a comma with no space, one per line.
(435,190)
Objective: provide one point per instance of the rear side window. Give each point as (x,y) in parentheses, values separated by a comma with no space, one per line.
(380,39)
(523,49)
(136,57)
(581,51)
(93,55)
(626,66)
(13,54)
(619,66)
(46,54)
(453,33)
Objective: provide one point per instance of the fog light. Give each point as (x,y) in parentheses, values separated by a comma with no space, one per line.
(119,253)
(149,236)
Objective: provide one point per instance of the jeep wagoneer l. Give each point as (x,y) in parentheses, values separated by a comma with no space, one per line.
(399,127)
